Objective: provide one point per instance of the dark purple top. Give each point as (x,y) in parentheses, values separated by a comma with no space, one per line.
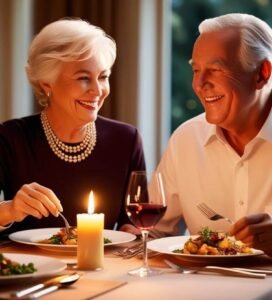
(25,157)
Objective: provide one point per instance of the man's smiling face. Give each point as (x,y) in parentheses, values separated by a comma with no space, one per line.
(225,89)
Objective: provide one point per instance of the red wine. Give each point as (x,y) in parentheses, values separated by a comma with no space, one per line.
(145,215)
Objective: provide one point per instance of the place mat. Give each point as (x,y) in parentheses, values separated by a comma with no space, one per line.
(83,289)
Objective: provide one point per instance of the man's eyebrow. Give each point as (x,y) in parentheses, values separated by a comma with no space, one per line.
(212,62)
(217,62)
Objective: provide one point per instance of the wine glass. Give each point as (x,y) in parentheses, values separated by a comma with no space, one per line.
(144,212)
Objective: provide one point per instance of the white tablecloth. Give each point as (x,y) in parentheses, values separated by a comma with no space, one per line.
(168,285)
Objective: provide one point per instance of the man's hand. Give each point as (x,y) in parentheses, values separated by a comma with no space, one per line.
(255,231)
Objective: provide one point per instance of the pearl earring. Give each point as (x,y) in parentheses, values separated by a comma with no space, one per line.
(48,94)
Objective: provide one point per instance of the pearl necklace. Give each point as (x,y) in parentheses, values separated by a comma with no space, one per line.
(63,151)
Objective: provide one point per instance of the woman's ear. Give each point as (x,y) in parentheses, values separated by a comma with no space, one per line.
(264,74)
(45,86)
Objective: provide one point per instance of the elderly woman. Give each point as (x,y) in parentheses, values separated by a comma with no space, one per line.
(49,162)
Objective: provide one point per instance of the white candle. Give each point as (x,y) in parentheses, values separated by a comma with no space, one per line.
(90,239)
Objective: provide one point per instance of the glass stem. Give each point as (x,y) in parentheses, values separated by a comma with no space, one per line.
(145,236)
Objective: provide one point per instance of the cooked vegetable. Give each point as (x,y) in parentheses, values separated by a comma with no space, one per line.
(61,238)
(213,243)
(9,267)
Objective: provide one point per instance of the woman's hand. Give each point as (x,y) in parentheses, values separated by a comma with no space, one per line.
(35,200)
(255,231)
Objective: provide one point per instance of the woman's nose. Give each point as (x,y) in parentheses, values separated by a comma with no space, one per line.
(95,88)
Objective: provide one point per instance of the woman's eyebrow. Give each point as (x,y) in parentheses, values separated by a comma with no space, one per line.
(88,72)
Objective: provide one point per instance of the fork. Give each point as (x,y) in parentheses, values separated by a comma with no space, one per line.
(68,228)
(211,214)
(215,269)
(135,250)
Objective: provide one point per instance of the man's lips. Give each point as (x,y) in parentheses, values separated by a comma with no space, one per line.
(213,98)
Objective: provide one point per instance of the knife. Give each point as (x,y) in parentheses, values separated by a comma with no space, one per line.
(54,282)
(252,270)
(214,269)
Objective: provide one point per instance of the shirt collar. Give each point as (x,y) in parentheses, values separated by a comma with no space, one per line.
(214,132)
(266,131)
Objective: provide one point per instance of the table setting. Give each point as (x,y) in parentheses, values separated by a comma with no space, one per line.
(110,264)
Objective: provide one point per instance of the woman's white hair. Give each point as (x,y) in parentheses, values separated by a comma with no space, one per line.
(64,41)
(255,36)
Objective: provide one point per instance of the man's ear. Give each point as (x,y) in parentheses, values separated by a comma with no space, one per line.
(264,74)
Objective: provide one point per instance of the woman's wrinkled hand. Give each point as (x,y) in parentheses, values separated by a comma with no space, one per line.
(35,200)
(255,231)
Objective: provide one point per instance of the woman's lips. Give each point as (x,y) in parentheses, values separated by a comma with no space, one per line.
(88,104)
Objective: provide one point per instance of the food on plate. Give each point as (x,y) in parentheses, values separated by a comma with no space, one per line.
(213,243)
(61,238)
(10,267)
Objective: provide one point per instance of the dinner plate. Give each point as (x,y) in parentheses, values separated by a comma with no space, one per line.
(45,266)
(169,244)
(33,236)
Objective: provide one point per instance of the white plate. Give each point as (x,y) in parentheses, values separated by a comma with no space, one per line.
(33,236)
(45,266)
(169,244)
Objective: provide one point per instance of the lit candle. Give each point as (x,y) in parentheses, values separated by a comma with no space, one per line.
(90,239)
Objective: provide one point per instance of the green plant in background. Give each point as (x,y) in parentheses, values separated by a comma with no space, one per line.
(186,16)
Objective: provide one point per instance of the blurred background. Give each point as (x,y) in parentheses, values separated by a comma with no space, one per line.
(151,79)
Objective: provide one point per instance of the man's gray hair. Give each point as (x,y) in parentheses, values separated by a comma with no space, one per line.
(255,36)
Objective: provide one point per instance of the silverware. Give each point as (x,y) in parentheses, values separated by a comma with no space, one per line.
(47,286)
(253,270)
(211,214)
(214,269)
(131,251)
(68,228)
(135,250)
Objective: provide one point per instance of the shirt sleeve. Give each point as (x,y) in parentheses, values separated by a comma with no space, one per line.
(172,222)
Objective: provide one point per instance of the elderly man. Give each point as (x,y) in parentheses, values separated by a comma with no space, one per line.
(223,157)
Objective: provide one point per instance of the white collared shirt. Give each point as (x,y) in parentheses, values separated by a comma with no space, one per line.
(200,166)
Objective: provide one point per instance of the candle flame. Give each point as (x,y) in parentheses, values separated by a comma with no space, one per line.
(91,203)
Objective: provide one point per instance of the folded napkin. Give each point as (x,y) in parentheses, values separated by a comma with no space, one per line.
(81,290)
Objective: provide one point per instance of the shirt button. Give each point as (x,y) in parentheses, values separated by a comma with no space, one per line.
(241,202)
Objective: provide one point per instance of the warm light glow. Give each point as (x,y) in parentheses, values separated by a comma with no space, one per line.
(91,203)
(137,197)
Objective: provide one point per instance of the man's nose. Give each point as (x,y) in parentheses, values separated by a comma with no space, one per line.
(201,81)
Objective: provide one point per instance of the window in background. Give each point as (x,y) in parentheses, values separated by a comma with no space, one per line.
(186,16)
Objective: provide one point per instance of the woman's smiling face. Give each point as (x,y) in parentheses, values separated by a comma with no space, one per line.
(225,89)
(79,91)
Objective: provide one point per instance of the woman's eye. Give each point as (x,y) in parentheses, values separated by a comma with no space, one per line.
(104,77)
(84,78)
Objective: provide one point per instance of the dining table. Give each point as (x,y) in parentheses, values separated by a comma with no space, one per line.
(113,282)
